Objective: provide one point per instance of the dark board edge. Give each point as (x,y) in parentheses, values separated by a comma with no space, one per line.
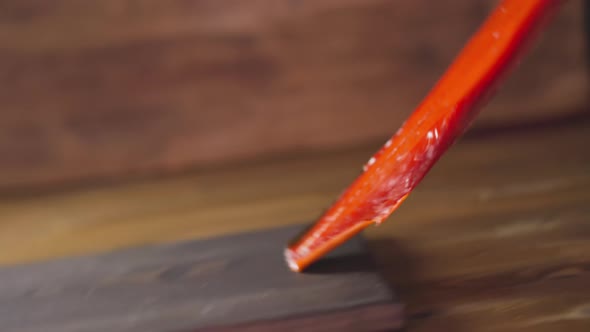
(384,316)
(211,284)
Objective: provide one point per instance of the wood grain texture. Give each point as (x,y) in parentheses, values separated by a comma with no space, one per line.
(114,88)
(496,238)
(376,318)
(237,282)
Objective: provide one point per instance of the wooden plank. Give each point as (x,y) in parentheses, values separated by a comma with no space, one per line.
(114,88)
(236,282)
(496,238)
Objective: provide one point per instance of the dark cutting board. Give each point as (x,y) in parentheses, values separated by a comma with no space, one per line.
(235,282)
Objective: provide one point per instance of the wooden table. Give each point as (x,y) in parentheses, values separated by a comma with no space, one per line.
(496,238)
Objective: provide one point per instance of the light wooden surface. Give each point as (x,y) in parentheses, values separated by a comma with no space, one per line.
(111,88)
(496,238)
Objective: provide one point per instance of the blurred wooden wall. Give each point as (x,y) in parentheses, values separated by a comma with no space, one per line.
(110,88)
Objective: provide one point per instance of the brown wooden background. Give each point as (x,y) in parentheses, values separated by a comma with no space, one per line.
(110,88)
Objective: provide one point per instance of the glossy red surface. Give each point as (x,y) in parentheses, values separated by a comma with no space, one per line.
(446,112)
